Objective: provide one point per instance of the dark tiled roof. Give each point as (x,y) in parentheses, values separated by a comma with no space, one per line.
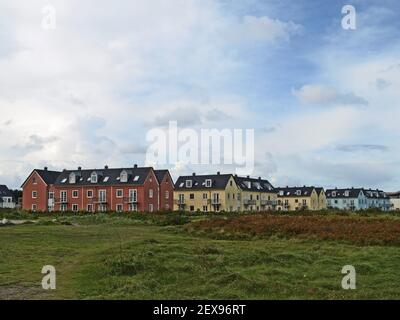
(218,181)
(344,193)
(375,194)
(5,192)
(319,190)
(106,176)
(294,191)
(393,195)
(251,184)
(48,176)
(160,174)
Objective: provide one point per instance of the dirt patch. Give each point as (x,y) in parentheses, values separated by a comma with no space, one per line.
(22,292)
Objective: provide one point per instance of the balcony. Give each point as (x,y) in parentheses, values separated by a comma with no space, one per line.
(61,200)
(214,202)
(268,202)
(249,202)
(179,202)
(131,200)
(100,200)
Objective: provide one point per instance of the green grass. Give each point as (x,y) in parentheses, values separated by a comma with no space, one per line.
(136,257)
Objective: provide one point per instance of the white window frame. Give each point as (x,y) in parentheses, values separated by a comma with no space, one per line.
(100,195)
(34,207)
(34,194)
(77,194)
(75,207)
(133,195)
(121,206)
(87,194)
(72,178)
(94,177)
(62,192)
(122,193)
(151,207)
(151,193)
(89,205)
(189,183)
(209,183)
(167,194)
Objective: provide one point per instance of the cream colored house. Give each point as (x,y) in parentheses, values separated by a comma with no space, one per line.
(298,198)
(256,194)
(322,202)
(223,192)
(207,193)
(394,200)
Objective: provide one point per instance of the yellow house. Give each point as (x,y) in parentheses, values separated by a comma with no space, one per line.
(256,194)
(298,198)
(223,192)
(206,193)
(322,203)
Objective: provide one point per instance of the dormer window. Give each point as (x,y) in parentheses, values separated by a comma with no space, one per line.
(188,183)
(298,192)
(124,176)
(346,193)
(333,193)
(281,193)
(208,183)
(72,178)
(93,177)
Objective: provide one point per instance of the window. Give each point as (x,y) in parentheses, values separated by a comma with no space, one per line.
(34,194)
(229,196)
(132,196)
(209,183)
(64,207)
(205,209)
(132,207)
(34,180)
(304,202)
(120,207)
(50,195)
(89,194)
(167,206)
(34,207)
(231,184)
(89,208)
(63,196)
(258,197)
(72,178)
(296,201)
(181,198)
(75,194)
(298,192)
(166,194)
(124,176)
(75,207)
(204,196)
(150,193)
(191,196)
(102,196)
(151,207)
(191,208)
(119,193)
(102,208)
(188,183)
(93,177)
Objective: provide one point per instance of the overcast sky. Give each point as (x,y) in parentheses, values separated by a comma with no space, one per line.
(324,102)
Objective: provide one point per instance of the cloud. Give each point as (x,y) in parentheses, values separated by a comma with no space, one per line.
(325,95)
(34,143)
(382,84)
(362,148)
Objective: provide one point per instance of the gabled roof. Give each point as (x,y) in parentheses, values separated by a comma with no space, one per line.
(393,195)
(294,191)
(106,176)
(5,192)
(160,174)
(252,184)
(319,190)
(49,177)
(218,181)
(344,193)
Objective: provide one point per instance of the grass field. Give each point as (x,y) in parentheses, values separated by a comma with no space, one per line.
(110,256)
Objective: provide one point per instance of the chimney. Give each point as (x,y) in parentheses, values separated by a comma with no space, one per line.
(135,165)
(193,174)
(106,167)
(259,178)
(45,168)
(218,173)
(79,168)
(248,177)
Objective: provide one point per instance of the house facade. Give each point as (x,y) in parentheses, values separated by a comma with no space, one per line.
(297,198)
(394,200)
(378,199)
(166,193)
(223,192)
(347,199)
(7,199)
(256,194)
(322,203)
(96,190)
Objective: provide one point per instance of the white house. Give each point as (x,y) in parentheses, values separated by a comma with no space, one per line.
(394,200)
(378,199)
(346,199)
(6,198)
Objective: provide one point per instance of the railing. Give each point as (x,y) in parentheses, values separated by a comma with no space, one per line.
(99,200)
(249,202)
(130,200)
(60,200)
(214,201)
(268,202)
(179,201)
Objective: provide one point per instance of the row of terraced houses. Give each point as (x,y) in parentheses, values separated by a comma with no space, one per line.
(147,190)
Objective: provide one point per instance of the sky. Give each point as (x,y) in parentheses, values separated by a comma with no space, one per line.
(323,101)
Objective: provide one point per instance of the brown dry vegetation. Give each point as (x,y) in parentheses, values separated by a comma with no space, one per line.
(359,230)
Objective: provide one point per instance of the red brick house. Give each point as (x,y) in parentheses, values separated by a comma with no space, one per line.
(97,190)
(36,189)
(166,189)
